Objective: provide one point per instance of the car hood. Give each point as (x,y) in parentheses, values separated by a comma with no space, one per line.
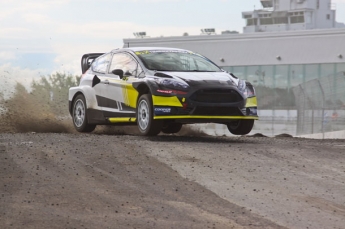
(203,77)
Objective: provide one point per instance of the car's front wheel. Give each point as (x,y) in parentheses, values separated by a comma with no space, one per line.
(240,127)
(145,118)
(79,115)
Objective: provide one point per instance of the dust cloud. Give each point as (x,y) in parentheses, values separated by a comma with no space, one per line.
(30,112)
(23,113)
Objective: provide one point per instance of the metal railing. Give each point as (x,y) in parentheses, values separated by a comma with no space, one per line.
(320,105)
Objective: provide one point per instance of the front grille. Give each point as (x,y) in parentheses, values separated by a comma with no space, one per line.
(183,111)
(216,96)
(220,111)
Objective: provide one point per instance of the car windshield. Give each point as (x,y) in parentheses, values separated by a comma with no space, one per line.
(176,60)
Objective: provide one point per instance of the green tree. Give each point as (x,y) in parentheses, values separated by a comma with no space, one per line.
(52,91)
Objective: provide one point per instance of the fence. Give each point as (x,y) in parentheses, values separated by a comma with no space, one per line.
(320,105)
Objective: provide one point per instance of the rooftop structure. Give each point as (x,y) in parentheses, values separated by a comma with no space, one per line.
(284,15)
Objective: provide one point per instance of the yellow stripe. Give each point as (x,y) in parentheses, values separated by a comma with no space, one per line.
(171,101)
(252,102)
(205,117)
(117,120)
(130,95)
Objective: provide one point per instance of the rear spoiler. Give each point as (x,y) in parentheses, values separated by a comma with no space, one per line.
(87,60)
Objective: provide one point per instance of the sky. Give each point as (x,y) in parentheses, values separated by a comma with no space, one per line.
(41,37)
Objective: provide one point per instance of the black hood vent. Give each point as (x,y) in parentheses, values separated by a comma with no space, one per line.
(163,75)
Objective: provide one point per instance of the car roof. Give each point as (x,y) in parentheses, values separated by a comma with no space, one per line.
(136,49)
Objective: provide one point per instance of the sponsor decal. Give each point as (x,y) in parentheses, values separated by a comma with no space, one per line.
(142,52)
(180,92)
(166,51)
(165,91)
(162,110)
(172,92)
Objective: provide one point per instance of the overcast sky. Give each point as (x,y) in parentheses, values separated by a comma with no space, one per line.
(39,37)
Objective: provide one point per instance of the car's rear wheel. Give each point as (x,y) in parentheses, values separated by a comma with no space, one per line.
(240,127)
(79,115)
(146,124)
(171,128)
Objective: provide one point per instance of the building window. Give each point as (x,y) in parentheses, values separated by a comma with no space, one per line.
(252,21)
(264,15)
(280,20)
(297,19)
(266,21)
(328,16)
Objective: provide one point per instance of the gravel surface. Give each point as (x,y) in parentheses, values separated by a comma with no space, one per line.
(297,183)
(124,181)
(104,181)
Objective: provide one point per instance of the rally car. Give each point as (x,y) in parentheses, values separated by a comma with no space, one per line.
(159,90)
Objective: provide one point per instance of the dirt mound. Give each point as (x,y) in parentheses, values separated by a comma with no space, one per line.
(284,136)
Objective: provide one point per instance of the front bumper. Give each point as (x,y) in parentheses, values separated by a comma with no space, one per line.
(182,108)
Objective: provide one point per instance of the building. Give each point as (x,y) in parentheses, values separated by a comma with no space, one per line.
(284,65)
(285,15)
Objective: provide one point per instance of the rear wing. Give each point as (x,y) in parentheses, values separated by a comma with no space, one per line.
(87,60)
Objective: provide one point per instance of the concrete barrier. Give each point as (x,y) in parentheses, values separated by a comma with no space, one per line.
(326,135)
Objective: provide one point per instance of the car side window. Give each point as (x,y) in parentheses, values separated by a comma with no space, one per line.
(126,63)
(101,64)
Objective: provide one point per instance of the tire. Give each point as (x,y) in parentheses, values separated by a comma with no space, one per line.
(146,124)
(241,127)
(171,128)
(79,115)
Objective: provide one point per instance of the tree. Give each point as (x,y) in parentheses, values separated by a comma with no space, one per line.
(41,109)
(52,91)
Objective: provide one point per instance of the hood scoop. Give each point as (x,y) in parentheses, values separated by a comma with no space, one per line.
(233,76)
(163,75)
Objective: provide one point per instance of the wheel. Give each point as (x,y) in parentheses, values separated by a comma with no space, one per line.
(240,127)
(79,115)
(171,128)
(146,124)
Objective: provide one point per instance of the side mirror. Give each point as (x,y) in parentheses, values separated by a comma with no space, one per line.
(118,72)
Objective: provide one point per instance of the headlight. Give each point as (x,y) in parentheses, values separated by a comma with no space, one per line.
(242,86)
(246,88)
(250,91)
(174,84)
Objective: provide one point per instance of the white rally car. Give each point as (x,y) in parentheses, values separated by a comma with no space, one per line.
(159,89)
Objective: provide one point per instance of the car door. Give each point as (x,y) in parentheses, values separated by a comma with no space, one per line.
(99,80)
(121,95)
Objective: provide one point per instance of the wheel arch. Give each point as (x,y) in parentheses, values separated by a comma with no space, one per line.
(87,92)
(142,88)
(72,101)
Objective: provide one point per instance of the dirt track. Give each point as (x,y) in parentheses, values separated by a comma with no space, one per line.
(124,181)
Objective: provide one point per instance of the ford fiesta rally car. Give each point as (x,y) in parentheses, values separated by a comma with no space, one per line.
(159,90)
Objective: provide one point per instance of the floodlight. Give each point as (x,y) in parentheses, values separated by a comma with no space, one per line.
(140,34)
(208,31)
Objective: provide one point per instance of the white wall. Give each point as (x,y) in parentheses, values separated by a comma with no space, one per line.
(301,47)
(284,5)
